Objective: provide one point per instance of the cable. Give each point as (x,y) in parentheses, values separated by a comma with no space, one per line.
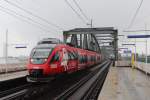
(75,11)
(14,14)
(28,18)
(20,18)
(80,9)
(18,2)
(136,13)
(27,11)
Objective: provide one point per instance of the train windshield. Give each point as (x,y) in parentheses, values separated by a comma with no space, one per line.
(41,53)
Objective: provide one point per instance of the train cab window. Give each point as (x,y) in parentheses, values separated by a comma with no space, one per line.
(40,55)
(55,58)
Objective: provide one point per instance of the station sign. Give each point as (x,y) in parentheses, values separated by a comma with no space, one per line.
(138,36)
(127,51)
(19,46)
(128,44)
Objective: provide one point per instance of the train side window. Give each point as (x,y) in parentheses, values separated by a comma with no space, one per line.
(80,59)
(88,58)
(85,58)
(55,58)
(75,55)
(71,55)
(92,58)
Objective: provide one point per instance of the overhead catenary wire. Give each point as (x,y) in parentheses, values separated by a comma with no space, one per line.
(18,2)
(28,18)
(34,15)
(80,17)
(20,17)
(81,10)
(15,16)
(135,15)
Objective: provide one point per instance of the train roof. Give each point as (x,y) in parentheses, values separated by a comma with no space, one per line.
(49,41)
(45,46)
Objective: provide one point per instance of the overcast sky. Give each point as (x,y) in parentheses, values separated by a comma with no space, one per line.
(105,13)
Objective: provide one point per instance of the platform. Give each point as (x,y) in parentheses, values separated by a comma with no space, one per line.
(13,75)
(125,83)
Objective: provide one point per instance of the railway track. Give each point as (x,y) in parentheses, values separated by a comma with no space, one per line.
(34,91)
(9,84)
(87,88)
(14,90)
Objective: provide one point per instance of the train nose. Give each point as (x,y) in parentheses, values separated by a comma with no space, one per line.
(36,72)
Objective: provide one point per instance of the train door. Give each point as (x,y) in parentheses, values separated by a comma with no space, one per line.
(72,62)
(55,62)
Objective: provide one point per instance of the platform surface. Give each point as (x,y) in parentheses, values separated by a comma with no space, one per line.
(13,75)
(123,83)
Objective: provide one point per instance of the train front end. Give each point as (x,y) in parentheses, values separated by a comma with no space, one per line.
(43,63)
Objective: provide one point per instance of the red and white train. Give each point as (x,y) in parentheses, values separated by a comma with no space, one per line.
(48,60)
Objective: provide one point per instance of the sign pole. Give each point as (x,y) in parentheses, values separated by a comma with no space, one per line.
(146,47)
(6,50)
(135,51)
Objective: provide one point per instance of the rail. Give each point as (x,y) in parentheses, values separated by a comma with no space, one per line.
(31,91)
(80,89)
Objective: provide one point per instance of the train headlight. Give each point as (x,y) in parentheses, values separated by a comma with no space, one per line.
(38,60)
(45,60)
(32,60)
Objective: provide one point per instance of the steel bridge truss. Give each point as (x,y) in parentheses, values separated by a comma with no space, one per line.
(102,40)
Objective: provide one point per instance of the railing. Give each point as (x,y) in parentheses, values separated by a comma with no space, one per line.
(12,65)
(139,65)
(142,59)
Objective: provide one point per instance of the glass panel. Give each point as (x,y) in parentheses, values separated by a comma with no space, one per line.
(40,53)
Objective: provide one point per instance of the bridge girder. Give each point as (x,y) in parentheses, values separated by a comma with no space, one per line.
(92,38)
